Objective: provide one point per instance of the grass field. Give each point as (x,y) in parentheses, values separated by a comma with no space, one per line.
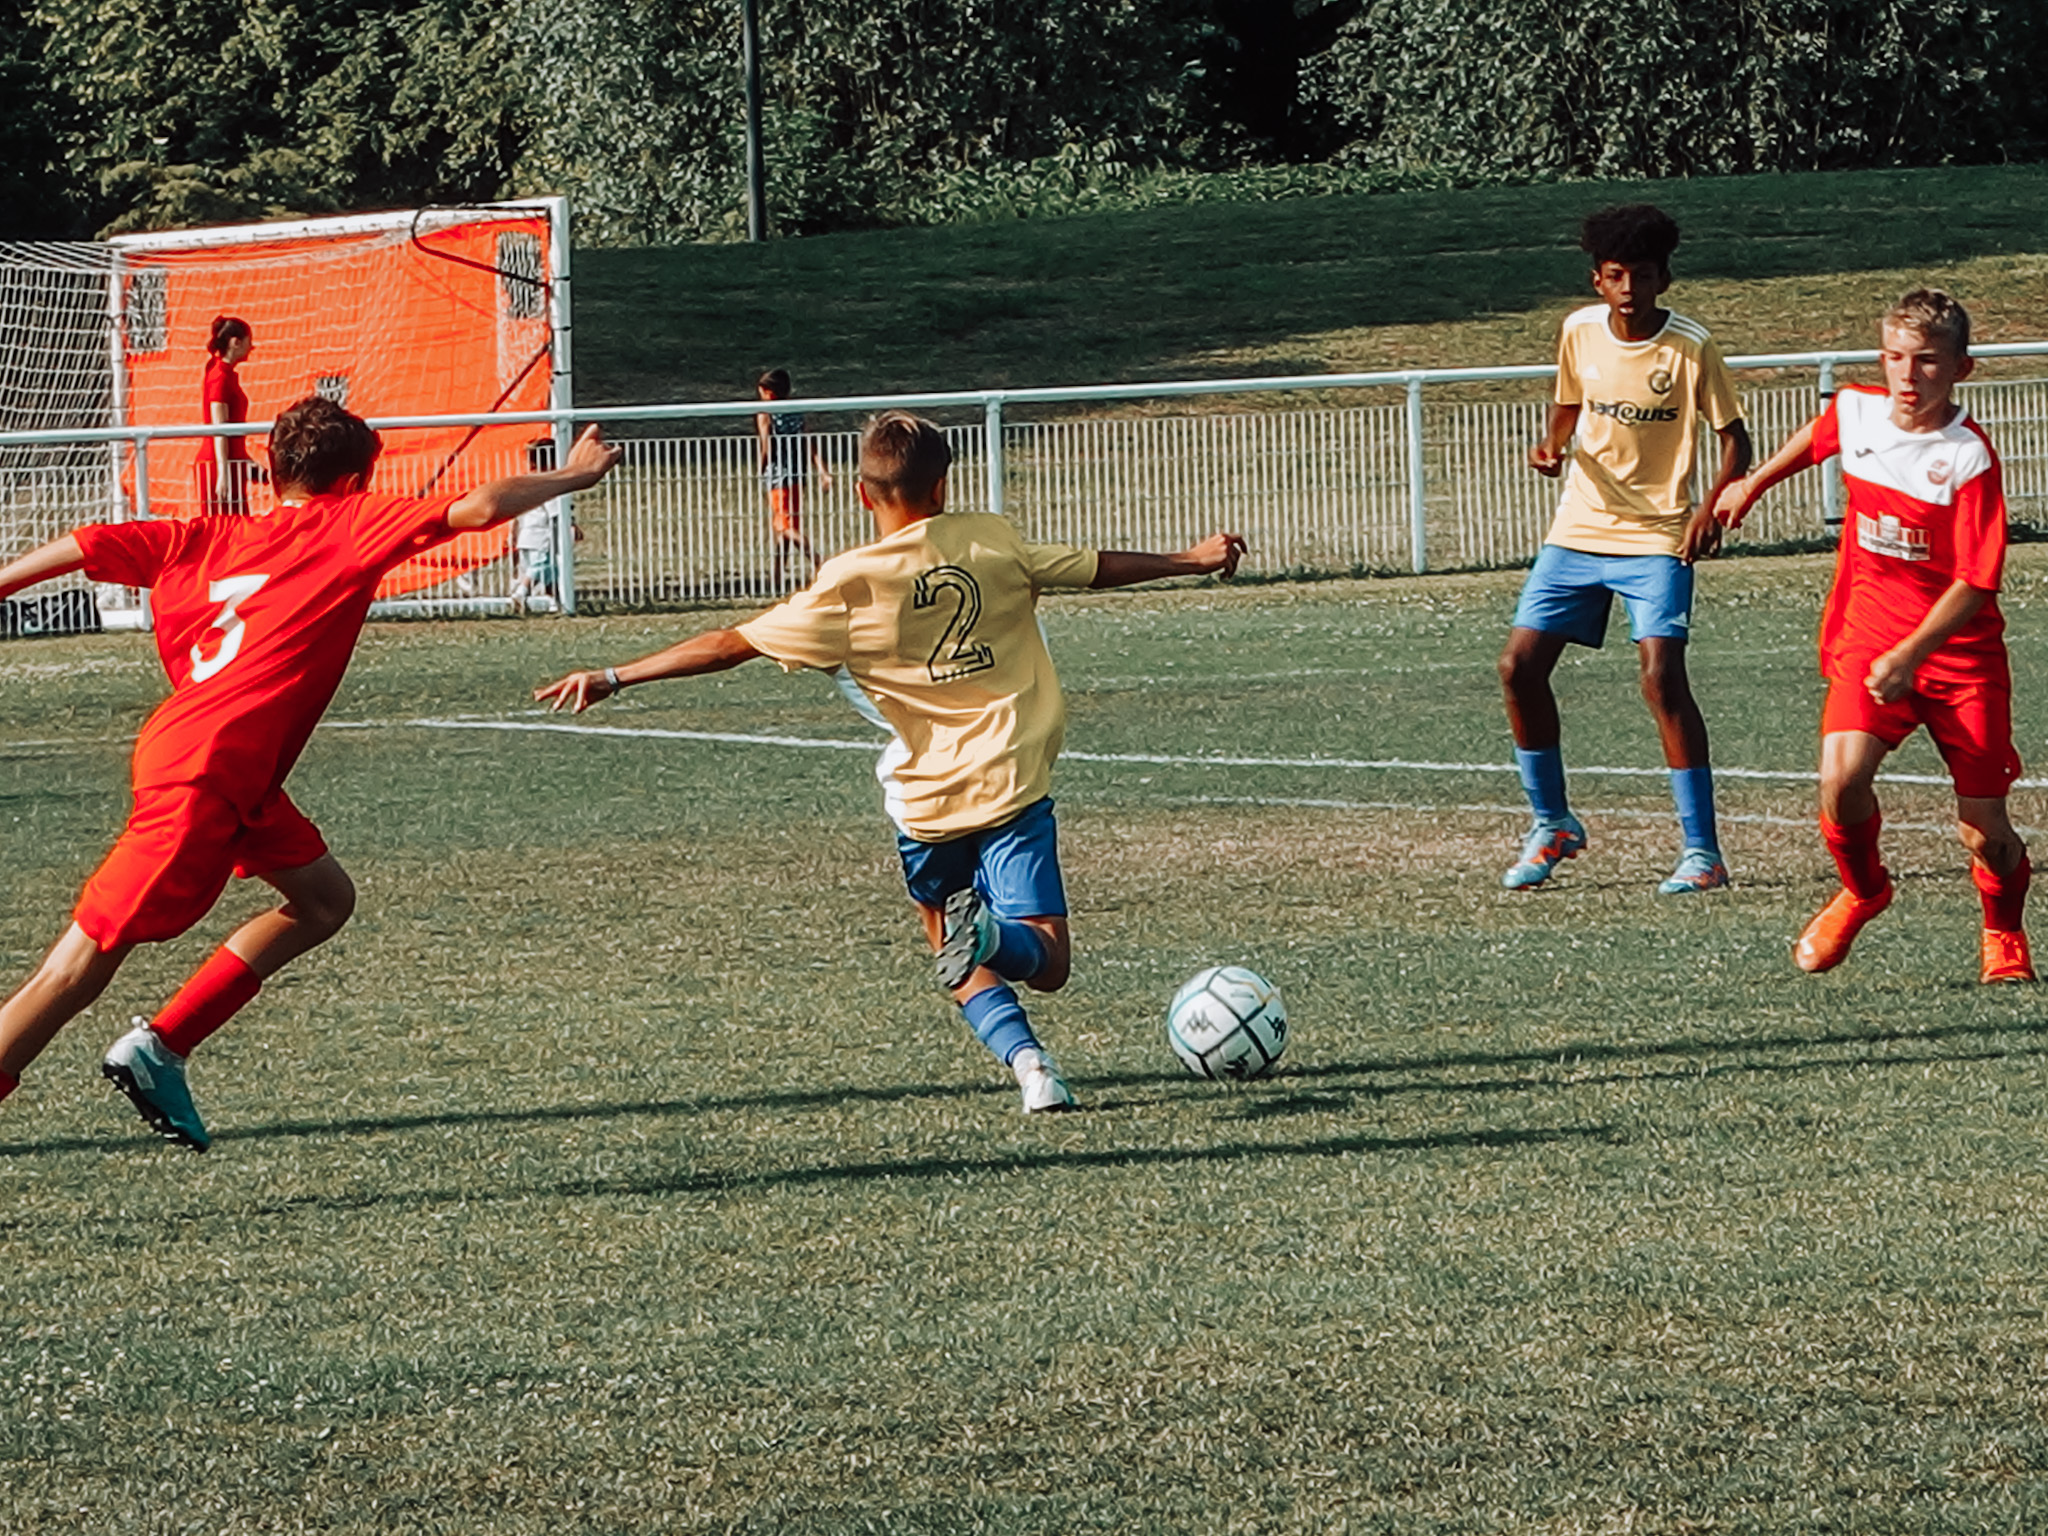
(1421,279)
(620,1170)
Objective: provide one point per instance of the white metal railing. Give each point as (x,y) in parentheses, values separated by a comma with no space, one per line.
(1399,480)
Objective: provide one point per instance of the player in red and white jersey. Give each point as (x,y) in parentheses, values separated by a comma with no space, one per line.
(256,619)
(1911,634)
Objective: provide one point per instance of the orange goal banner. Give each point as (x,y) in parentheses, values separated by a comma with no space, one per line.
(448,312)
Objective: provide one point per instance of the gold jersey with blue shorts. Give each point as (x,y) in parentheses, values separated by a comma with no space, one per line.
(936,625)
(1620,523)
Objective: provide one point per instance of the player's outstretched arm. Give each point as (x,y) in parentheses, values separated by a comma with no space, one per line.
(1732,501)
(1216,555)
(501,500)
(60,557)
(713,651)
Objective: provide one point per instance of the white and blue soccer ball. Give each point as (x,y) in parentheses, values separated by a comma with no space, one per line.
(1227,1022)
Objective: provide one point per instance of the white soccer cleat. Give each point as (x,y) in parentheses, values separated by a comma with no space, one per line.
(1038,1075)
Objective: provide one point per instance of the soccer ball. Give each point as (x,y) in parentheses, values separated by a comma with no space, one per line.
(1227,1022)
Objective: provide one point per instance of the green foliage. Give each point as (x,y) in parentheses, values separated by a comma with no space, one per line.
(893,112)
(1484,90)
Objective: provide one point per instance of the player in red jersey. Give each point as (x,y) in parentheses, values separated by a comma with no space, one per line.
(256,619)
(1911,634)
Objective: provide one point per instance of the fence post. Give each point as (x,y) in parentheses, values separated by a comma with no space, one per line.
(561,397)
(1831,474)
(1418,506)
(993,448)
(142,510)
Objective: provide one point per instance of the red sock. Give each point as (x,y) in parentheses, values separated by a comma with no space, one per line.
(1855,851)
(8,1083)
(2004,896)
(214,994)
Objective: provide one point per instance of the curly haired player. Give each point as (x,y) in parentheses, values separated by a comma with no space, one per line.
(1633,383)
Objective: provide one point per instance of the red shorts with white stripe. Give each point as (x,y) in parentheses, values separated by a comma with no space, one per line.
(181,845)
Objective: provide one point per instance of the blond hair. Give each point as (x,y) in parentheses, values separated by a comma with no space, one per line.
(1934,315)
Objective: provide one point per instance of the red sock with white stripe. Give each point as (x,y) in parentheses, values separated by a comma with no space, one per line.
(216,992)
(1855,850)
(2004,896)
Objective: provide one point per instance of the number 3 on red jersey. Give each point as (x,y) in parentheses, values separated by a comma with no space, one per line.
(227,592)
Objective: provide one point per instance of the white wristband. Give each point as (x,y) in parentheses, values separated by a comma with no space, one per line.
(611,679)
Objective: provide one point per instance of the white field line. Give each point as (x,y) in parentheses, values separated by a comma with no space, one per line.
(1607,813)
(1139,759)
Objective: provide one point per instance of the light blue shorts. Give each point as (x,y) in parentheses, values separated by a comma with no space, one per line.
(1570,593)
(1015,867)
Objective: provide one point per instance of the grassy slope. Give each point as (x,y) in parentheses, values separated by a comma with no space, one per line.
(1339,282)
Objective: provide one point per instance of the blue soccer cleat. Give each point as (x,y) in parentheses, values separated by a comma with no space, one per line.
(153,1077)
(1699,869)
(1546,845)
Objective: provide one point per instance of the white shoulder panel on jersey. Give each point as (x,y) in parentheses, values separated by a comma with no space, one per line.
(1927,466)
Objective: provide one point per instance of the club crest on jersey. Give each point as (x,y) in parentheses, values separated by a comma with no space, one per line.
(1660,381)
(1629,414)
(1888,536)
(1939,471)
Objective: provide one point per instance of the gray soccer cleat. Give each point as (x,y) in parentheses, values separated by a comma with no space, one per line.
(153,1077)
(970,938)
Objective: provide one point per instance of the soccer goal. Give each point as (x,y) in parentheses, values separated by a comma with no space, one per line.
(427,312)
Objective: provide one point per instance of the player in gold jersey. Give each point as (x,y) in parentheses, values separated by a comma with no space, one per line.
(935,625)
(1634,384)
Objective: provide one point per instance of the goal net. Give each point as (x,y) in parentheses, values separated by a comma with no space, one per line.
(427,313)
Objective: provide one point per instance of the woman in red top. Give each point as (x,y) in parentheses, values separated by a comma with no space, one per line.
(224,469)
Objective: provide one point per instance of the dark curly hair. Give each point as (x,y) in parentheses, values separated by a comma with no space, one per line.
(1629,233)
(316,444)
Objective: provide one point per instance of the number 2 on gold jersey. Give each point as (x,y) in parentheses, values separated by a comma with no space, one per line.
(227,592)
(958,654)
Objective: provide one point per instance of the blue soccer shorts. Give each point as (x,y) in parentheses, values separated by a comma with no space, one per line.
(1015,866)
(1570,593)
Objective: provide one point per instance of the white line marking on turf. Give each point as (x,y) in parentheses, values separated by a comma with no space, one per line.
(1143,759)
(1606,813)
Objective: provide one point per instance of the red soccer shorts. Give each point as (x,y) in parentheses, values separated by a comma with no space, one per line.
(785,511)
(173,860)
(1971,724)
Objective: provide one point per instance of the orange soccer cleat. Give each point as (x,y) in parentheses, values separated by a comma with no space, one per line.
(1825,944)
(2005,957)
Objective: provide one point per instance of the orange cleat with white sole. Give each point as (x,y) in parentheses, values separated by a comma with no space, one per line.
(2005,958)
(1825,944)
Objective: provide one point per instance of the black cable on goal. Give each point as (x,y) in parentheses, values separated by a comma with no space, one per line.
(547,289)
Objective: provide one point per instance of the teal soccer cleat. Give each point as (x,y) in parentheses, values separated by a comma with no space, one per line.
(1546,845)
(1700,869)
(153,1077)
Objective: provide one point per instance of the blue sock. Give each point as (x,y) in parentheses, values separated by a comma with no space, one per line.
(999,1023)
(1020,952)
(1692,790)
(1542,773)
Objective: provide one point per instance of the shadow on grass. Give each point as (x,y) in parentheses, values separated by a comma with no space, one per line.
(1295,1090)
(727,1183)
